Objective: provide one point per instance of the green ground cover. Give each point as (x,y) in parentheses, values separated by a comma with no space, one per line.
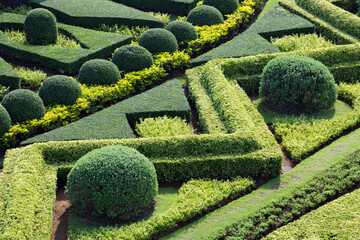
(338,219)
(275,23)
(340,109)
(119,120)
(96,12)
(181,7)
(8,78)
(94,44)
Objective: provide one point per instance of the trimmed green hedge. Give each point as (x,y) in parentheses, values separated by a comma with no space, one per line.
(275,23)
(93,13)
(27,195)
(342,19)
(118,120)
(324,28)
(337,180)
(338,218)
(181,7)
(95,45)
(8,78)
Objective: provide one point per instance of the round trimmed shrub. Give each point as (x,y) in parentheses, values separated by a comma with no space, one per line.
(99,71)
(116,182)
(158,40)
(295,84)
(205,15)
(183,31)
(224,6)
(5,121)
(40,27)
(59,89)
(131,58)
(22,105)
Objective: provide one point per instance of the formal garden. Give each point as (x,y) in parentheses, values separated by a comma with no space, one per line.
(179,119)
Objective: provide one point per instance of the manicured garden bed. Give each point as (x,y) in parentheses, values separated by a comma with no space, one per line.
(228,162)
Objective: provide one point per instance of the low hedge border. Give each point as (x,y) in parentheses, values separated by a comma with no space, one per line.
(255,40)
(335,33)
(98,97)
(234,213)
(341,178)
(95,45)
(93,14)
(8,78)
(301,137)
(118,120)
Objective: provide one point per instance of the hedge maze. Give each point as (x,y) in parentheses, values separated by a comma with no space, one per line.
(249,168)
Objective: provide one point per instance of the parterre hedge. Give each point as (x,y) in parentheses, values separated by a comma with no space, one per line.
(93,13)
(181,7)
(339,179)
(96,98)
(118,120)
(94,44)
(8,78)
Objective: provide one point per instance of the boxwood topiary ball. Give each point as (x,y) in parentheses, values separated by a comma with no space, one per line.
(297,84)
(158,40)
(205,15)
(23,105)
(99,71)
(183,31)
(131,58)
(60,89)
(224,6)
(5,121)
(116,182)
(40,27)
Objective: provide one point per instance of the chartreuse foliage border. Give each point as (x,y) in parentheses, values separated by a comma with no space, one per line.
(339,218)
(196,197)
(96,98)
(118,120)
(96,12)
(94,44)
(216,224)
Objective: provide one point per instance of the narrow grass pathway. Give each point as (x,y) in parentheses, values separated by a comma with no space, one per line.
(215,222)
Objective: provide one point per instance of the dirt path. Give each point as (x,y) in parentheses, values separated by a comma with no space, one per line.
(61,214)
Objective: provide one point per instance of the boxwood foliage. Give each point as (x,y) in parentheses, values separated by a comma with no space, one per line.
(183,31)
(98,72)
(5,120)
(297,84)
(224,6)
(158,40)
(117,182)
(205,15)
(95,44)
(8,78)
(23,105)
(132,58)
(40,27)
(60,89)
(92,14)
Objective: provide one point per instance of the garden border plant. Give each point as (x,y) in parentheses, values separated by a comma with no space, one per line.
(68,60)
(96,98)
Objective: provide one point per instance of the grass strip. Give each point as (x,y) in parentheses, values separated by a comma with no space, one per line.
(215,223)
